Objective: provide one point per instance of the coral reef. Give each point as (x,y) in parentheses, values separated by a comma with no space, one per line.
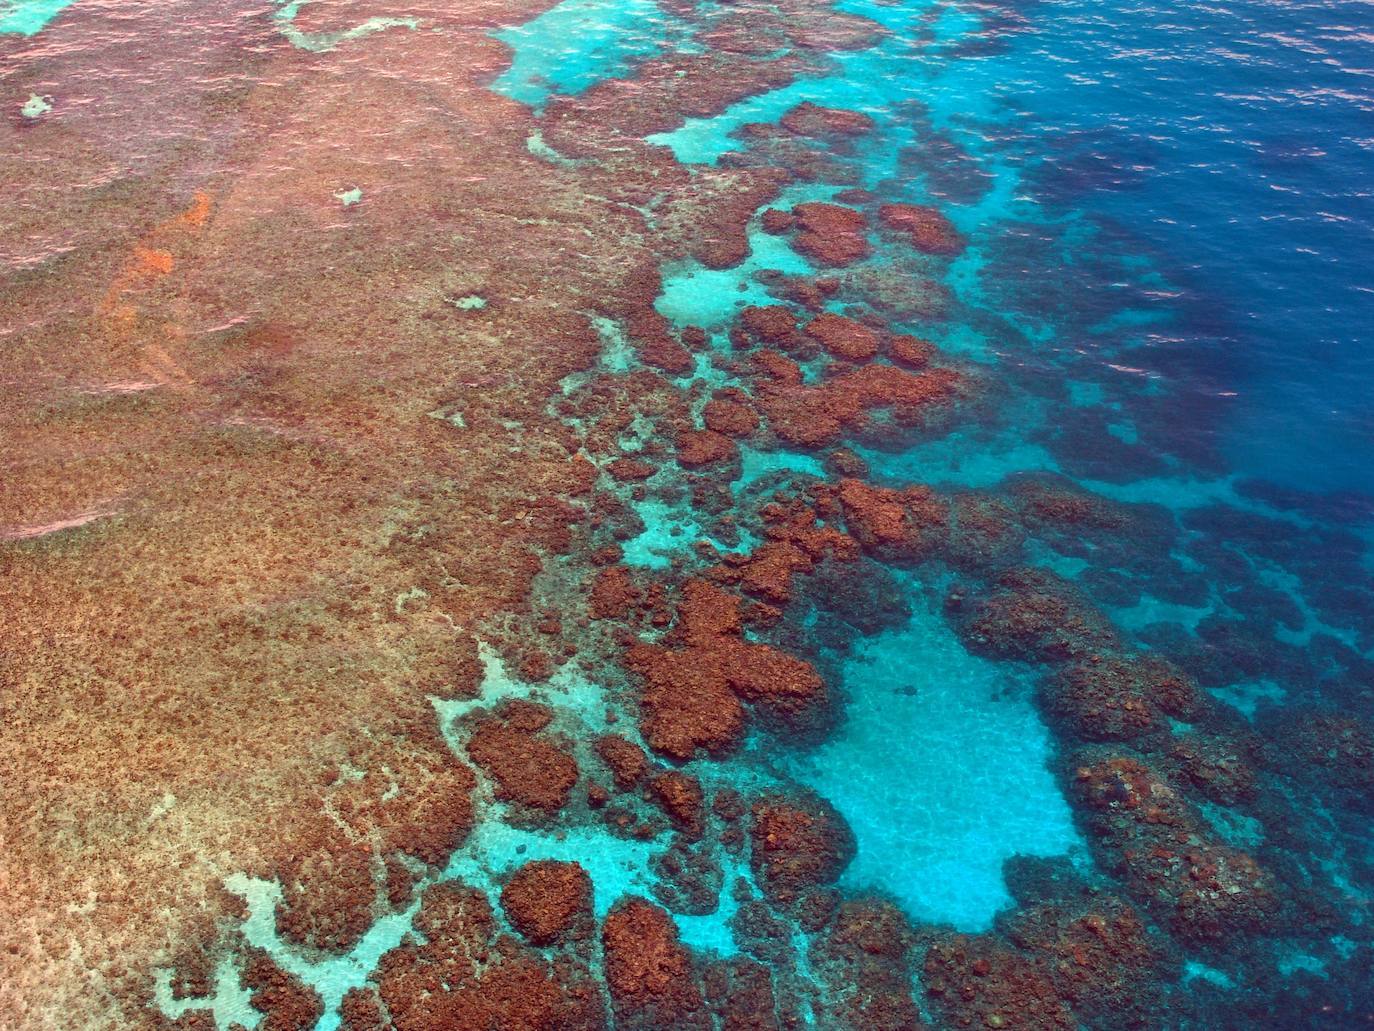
(830,235)
(547,901)
(924,228)
(527,769)
(1144,831)
(797,842)
(695,687)
(649,974)
(291,490)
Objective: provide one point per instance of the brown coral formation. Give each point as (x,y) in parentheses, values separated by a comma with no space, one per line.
(627,762)
(924,228)
(831,235)
(1148,834)
(397,475)
(1120,698)
(696,448)
(820,415)
(649,973)
(547,901)
(467,975)
(794,543)
(740,991)
(863,959)
(975,981)
(894,525)
(808,119)
(843,337)
(286,1004)
(797,842)
(681,798)
(526,768)
(416,809)
(695,685)
(1104,962)
(731,414)
(262,483)
(1035,616)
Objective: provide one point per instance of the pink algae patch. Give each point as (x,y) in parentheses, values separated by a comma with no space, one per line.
(25,533)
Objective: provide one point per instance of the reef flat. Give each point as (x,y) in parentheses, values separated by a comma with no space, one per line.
(557,516)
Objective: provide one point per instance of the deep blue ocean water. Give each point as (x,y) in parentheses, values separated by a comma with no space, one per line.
(1233,144)
(1171,217)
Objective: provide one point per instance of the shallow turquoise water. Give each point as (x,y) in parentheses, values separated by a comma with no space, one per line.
(29,16)
(577,44)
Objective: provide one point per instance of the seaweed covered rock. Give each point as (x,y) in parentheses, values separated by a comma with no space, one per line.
(1332,750)
(913,352)
(697,448)
(689,877)
(547,901)
(795,544)
(625,759)
(649,973)
(798,841)
(862,959)
(895,526)
(874,402)
(680,796)
(526,768)
(419,806)
(1221,768)
(1168,857)
(731,414)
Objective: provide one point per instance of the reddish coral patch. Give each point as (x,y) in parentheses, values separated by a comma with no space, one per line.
(816,416)
(1120,698)
(680,796)
(527,769)
(1032,615)
(548,900)
(696,448)
(831,235)
(1167,855)
(648,971)
(798,842)
(613,594)
(631,469)
(731,414)
(974,981)
(693,685)
(913,352)
(287,1003)
(843,337)
(815,121)
(924,228)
